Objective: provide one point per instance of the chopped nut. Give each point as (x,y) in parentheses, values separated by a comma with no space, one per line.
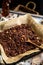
(14,42)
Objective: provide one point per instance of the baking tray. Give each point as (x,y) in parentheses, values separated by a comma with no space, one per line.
(38,19)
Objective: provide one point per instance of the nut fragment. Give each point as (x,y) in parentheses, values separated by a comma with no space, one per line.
(14,40)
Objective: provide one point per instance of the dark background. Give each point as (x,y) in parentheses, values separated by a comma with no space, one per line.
(14,3)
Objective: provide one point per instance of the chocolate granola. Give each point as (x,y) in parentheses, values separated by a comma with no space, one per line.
(14,40)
